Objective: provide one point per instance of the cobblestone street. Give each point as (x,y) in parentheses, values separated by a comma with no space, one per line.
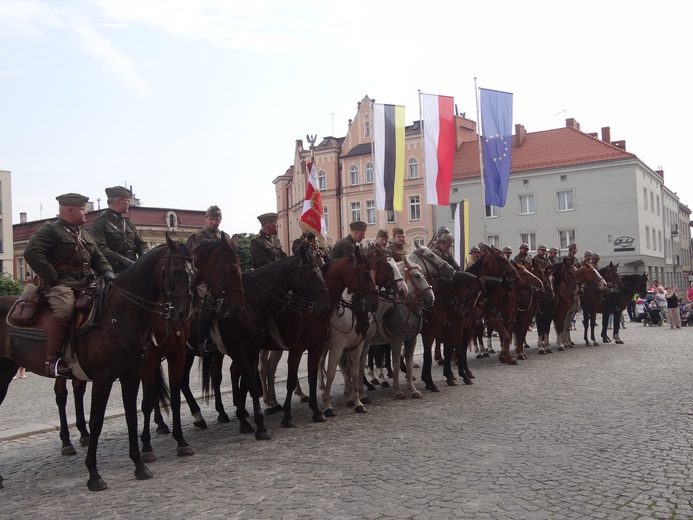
(599,432)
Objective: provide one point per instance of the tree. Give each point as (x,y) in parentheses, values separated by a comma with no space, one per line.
(9,285)
(244,251)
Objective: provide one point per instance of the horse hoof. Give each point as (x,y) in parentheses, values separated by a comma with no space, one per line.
(491,351)
(185,451)
(440,361)
(549,351)
(202,425)
(68,450)
(143,473)
(262,436)
(148,456)
(433,388)
(246,428)
(470,375)
(288,423)
(486,354)
(467,381)
(319,417)
(375,381)
(360,409)
(416,395)
(224,418)
(451,382)
(84,441)
(479,356)
(330,413)
(366,400)
(305,399)
(542,353)
(274,409)
(595,344)
(163,430)
(351,403)
(96,484)
(385,384)
(400,396)
(619,342)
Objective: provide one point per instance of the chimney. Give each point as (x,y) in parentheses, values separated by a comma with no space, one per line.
(22,218)
(520,134)
(620,144)
(606,134)
(660,172)
(571,123)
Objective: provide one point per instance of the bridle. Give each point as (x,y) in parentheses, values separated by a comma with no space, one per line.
(435,275)
(216,295)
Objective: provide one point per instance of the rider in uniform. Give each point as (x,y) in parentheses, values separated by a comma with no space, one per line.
(348,244)
(474,255)
(523,257)
(572,258)
(265,247)
(115,234)
(595,260)
(553,255)
(442,248)
(587,259)
(397,248)
(211,229)
(507,251)
(67,259)
(541,256)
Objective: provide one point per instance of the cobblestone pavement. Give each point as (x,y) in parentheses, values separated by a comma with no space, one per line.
(599,432)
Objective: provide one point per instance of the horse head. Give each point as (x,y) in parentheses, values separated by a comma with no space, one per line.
(588,275)
(435,268)
(611,276)
(360,281)
(386,271)
(176,282)
(419,289)
(311,284)
(494,263)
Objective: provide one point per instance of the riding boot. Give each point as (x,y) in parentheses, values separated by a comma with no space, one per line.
(56,332)
(207,346)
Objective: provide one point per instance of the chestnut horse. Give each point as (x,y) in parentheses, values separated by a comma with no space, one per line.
(113,349)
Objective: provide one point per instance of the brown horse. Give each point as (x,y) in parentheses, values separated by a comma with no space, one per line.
(617,301)
(591,301)
(113,349)
(530,293)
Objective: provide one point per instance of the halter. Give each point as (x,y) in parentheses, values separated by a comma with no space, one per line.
(358,298)
(437,276)
(389,291)
(417,299)
(217,295)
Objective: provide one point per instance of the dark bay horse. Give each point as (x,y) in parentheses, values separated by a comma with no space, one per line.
(295,282)
(218,269)
(591,301)
(530,292)
(631,284)
(115,348)
(556,300)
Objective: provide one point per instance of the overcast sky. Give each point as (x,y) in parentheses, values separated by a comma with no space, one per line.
(200,102)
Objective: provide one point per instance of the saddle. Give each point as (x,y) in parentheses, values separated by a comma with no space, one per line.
(29,316)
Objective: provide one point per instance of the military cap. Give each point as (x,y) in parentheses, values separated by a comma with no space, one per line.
(266,218)
(397,231)
(541,246)
(572,246)
(553,250)
(445,238)
(483,246)
(72,199)
(595,255)
(214,211)
(524,245)
(358,225)
(383,233)
(118,192)
(442,230)
(507,249)
(588,253)
(474,249)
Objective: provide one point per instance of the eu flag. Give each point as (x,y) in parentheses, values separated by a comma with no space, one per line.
(497,126)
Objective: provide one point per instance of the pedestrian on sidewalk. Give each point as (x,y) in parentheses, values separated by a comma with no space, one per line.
(673,313)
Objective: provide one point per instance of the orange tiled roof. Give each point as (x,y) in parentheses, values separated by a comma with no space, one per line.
(545,149)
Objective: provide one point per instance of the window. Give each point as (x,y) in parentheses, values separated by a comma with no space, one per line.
(390,217)
(322,180)
(366,128)
(172,220)
(566,237)
(370,212)
(354,175)
(369,173)
(414,208)
(413,168)
(420,241)
(659,239)
(527,204)
(20,269)
(530,239)
(657,204)
(654,239)
(493,240)
(355,211)
(565,200)
(491,211)
(647,237)
(644,196)
(325,217)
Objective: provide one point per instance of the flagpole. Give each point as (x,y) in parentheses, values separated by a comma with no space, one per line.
(423,169)
(481,158)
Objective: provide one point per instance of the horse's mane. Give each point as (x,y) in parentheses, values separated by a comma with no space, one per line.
(145,263)
(492,283)
(464,278)
(631,281)
(205,247)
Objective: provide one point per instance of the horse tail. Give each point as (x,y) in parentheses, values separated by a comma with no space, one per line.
(163,393)
(206,365)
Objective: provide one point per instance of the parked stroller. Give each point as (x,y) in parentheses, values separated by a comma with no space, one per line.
(686,314)
(653,317)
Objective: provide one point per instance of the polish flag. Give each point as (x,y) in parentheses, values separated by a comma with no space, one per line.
(439,146)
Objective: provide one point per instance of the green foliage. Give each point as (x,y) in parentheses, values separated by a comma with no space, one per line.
(244,251)
(9,285)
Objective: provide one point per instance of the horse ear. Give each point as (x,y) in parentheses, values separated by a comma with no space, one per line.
(234,239)
(357,252)
(417,245)
(169,242)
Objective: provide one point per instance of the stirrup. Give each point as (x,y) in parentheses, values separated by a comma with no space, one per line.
(207,346)
(55,370)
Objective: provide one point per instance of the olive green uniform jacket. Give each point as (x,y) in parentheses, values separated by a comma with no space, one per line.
(62,254)
(265,249)
(118,239)
(447,257)
(343,247)
(398,252)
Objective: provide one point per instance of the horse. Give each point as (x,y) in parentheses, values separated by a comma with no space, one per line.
(115,347)
(401,325)
(567,302)
(530,292)
(353,274)
(619,298)
(294,282)
(558,277)
(591,302)
(606,306)
(218,269)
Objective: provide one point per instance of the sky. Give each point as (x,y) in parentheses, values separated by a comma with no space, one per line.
(200,102)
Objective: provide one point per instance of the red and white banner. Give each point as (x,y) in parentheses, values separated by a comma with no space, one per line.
(439,146)
(312,216)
